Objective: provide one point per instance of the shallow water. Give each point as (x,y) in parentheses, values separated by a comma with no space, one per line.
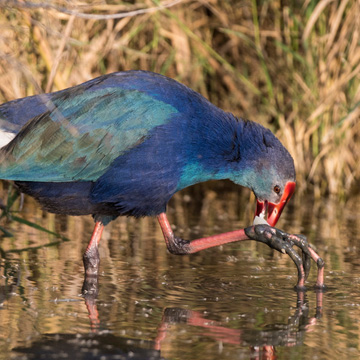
(233,302)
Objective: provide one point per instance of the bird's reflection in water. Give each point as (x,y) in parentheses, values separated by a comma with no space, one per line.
(261,342)
(99,342)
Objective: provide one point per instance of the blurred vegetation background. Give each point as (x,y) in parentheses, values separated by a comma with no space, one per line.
(293,66)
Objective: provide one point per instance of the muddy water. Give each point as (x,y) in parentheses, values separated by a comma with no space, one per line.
(233,302)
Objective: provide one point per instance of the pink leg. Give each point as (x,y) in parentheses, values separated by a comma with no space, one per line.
(320,264)
(179,246)
(91,257)
(311,253)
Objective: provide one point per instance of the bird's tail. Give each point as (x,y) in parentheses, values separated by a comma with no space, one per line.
(16,113)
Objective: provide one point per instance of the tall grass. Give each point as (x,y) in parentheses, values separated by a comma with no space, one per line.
(292,66)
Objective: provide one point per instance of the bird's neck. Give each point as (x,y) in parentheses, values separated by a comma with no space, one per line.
(219,149)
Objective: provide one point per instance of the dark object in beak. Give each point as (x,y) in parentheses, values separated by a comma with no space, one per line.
(274,210)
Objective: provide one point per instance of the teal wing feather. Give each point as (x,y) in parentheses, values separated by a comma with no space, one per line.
(81,134)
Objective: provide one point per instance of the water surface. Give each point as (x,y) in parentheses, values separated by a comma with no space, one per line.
(232,302)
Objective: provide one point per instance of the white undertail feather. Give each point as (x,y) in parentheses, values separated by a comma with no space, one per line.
(5,137)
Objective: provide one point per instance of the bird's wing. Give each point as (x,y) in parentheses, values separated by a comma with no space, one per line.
(81,133)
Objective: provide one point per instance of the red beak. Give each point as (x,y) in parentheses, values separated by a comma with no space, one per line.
(275,210)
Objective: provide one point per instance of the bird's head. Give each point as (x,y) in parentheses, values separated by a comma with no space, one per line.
(267,168)
(272,194)
(273,184)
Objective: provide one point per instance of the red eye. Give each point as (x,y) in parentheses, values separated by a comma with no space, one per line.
(277,189)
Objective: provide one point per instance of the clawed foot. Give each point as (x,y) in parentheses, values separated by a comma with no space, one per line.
(284,243)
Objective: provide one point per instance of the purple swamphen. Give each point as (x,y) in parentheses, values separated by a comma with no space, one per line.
(124,143)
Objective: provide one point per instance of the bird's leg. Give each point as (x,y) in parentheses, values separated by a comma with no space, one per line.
(178,246)
(90,288)
(175,245)
(91,257)
(270,236)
